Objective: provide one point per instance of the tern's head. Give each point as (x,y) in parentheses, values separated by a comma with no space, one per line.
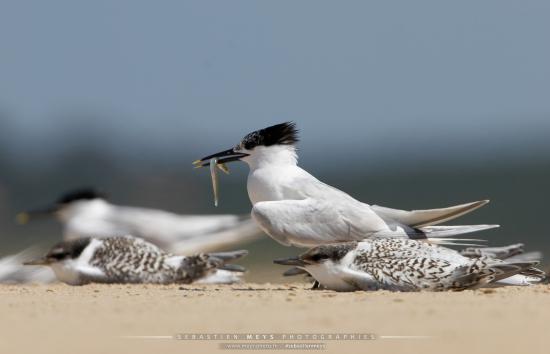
(63,252)
(63,204)
(324,255)
(326,263)
(277,140)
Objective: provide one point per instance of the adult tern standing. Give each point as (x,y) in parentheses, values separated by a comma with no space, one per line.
(295,208)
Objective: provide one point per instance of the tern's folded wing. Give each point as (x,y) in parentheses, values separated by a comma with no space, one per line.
(406,264)
(245,231)
(310,222)
(186,234)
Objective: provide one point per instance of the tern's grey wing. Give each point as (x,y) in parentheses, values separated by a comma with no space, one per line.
(310,222)
(244,231)
(411,265)
(401,264)
(185,234)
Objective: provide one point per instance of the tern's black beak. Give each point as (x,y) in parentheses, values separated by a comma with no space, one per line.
(293,261)
(24,217)
(223,157)
(39,261)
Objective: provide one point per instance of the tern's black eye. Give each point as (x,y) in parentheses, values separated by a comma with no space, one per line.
(319,257)
(58,253)
(249,145)
(69,249)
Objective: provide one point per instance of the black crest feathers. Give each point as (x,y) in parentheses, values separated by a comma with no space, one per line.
(279,134)
(80,194)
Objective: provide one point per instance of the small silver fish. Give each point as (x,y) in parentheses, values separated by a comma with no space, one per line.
(224,168)
(214,175)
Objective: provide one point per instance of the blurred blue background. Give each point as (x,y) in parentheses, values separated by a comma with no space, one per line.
(407,104)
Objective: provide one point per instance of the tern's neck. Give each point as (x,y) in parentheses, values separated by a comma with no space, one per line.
(68,271)
(276,155)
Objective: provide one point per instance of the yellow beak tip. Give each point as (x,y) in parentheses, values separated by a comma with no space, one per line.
(22,218)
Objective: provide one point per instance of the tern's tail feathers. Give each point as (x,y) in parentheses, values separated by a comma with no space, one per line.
(421,218)
(441,235)
(245,231)
(233,268)
(534,256)
(495,273)
(210,268)
(526,269)
(493,252)
(520,280)
(225,273)
(220,260)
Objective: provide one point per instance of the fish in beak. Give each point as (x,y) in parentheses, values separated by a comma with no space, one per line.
(218,160)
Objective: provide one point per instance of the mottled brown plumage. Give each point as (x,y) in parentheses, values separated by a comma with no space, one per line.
(405,265)
(131,260)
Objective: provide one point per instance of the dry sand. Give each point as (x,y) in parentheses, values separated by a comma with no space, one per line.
(93,319)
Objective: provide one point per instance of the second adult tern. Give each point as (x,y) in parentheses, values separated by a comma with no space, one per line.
(86,212)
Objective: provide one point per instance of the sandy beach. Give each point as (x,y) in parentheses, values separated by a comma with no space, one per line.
(111,318)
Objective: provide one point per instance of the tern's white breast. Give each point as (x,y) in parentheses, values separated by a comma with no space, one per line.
(330,276)
(70,270)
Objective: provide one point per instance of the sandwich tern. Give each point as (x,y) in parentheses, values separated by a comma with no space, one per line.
(295,208)
(127,259)
(407,265)
(510,253)
(87,213)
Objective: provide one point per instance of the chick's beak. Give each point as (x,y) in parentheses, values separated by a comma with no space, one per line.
(292,261)
(222,157)
(39,261)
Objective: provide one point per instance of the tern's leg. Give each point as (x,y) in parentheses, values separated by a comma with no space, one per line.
(316,286)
